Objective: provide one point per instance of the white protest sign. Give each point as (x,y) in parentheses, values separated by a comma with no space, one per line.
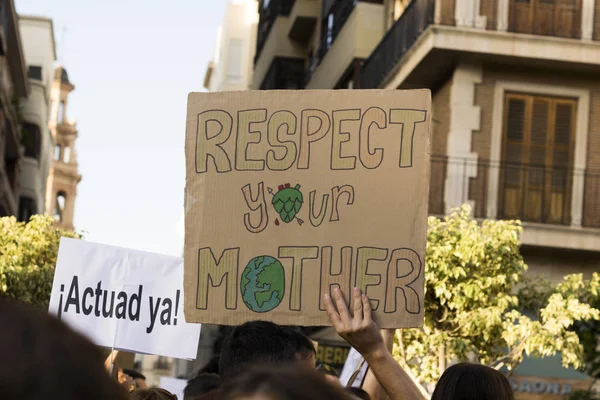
(175,386)
(352,363)
(126,299)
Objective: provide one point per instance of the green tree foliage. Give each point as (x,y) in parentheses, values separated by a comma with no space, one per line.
(479,307)
(27,258)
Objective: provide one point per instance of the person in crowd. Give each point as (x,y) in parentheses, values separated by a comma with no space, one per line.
(212,366)
(152,394)
(459,382)
(44,359)
(200,385)
(466,381)
(140,380)
(286,382)
(261,343)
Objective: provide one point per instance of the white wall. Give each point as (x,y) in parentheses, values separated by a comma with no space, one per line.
(37,37)
(235,47)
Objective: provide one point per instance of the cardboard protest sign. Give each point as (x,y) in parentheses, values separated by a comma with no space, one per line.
(121,298)
(291,193)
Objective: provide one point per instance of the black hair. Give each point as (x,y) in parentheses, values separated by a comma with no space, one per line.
(286,382)
(42,358)
(134,374)
(212,366)
(261,342)
(467,381)
(200,385)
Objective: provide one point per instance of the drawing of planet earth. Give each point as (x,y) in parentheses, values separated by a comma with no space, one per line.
(263,284)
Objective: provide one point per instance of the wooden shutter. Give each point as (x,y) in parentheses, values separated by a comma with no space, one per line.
(546,17)
(536,172)
(511,169)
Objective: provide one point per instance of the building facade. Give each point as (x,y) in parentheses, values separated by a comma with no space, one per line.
(516,100)
(37,35)
(14,85)
(232,64)
(64,175)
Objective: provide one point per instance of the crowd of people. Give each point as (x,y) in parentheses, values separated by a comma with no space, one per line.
(44,359)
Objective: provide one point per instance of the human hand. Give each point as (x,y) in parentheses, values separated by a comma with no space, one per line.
(126,381)
(109,362)
(360,331)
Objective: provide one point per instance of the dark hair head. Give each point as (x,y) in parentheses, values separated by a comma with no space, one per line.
(472,382)
(200,385)
(134,374)
(44,359)
(358,393)
(261,342)
(212,366)
(287,382)
(152,394)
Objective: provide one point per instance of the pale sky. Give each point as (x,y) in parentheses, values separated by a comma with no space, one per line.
(133,62)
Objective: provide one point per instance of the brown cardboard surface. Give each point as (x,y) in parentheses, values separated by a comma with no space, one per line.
(354,213)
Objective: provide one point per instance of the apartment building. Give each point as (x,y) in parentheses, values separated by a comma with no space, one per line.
(37,35)
(515,100)
(14,85)
(516,109)
(233,61)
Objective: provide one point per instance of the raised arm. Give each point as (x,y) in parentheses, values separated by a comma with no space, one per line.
(362,333)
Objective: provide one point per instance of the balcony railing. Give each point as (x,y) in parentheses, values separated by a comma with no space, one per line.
(530,193)
(284,73)
(398,40)
(333,23)
(267,18)
(537,17)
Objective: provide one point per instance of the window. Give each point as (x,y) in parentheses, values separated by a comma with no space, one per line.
(67,155)
(59,207)
(235,58)
(61,111)
(537,155)
(57,151)
(546,17)
(35,72)
(31,139)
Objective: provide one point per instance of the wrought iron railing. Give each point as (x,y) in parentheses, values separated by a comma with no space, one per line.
(397,41)
(267,18)
(530,193)
(332,24)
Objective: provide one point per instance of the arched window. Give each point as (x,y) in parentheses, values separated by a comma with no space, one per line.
(31,140)
(61,112)
(67,155)
(59,207)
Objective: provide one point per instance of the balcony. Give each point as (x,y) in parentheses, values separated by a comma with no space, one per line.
(303,18)
(433,34)
(284,73)
(274,42)
(542,197)
(267,18)
(351,31)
